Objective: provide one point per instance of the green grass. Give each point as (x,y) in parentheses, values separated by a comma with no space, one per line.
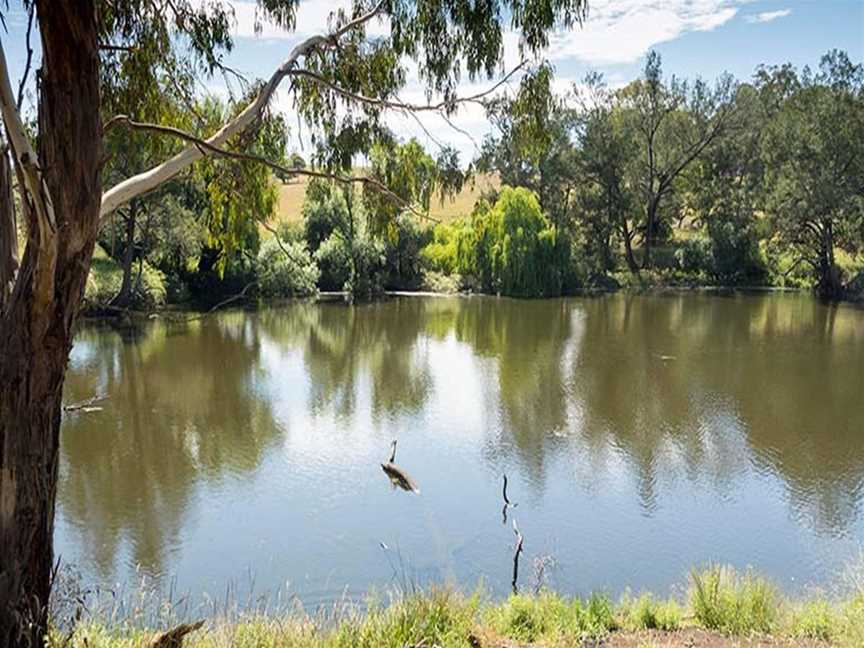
(741,604)
(719,599)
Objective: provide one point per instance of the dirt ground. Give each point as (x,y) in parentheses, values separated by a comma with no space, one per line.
(689,638)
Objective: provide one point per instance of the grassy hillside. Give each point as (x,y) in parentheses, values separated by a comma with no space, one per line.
(291,199)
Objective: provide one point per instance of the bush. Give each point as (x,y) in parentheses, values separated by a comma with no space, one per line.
(368,279)
(286,275)
(441,254)
(693,256)
(324,212)
(735,253)
(402,249)
(334,260)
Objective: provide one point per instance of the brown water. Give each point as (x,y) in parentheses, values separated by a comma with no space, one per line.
(642,435)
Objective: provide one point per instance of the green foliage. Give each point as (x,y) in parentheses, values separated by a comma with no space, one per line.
(403,244)
(734,603)
(812,148)
(519,249)
(324,212)
(334,259)
(286,273)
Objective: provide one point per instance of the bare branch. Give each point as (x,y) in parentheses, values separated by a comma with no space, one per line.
(29,62)
(516,553)
(149,180)
(399,105)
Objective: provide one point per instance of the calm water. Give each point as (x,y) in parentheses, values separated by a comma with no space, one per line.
(642,435)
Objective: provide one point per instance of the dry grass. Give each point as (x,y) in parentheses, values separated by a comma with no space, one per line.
(291,198)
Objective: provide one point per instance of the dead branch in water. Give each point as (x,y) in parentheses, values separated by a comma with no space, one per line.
(507,502)
(519,541)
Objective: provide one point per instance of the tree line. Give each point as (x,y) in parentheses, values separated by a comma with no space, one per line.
(661,180)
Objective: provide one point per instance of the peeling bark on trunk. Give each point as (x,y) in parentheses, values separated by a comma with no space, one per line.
(36,328)
(8,233)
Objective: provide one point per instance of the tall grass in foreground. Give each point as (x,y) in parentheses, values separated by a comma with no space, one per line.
(739,604)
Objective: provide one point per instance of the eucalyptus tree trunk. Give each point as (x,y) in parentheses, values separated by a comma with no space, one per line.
(8,232)
(36,327)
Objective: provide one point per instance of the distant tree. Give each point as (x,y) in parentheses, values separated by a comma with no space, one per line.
(814,155)
(531,145)
(725,190)
(673,123)
(607,201)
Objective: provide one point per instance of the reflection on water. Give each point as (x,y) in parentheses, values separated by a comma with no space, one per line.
(641,435)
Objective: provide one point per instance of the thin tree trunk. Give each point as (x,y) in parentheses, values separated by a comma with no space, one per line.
(8,232)
(123,297)
(36,328)
(628,246)
(830,285)
(650,224)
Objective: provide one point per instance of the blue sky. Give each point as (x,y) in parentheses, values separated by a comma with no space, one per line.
(695,38)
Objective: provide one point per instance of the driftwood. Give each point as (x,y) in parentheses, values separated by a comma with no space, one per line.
(174,638)
(85,405)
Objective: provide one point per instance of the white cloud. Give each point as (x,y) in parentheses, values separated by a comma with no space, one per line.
(767,16)
(621,31)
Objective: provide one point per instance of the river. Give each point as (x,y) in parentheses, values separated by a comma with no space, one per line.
(642,435)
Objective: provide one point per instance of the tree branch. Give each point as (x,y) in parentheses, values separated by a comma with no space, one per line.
(399,105)
(29,62)
(149,180)
(206,147)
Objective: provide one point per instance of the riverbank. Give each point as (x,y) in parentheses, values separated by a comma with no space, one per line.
(721,608)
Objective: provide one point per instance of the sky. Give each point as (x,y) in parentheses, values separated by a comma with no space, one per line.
(694,37)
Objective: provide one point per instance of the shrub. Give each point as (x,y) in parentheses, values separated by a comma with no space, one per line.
(735,254)
(324,212)
(286,275)
(693,256)
(403,244)
(334,260)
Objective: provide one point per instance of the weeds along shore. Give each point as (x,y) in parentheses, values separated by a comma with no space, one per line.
(720,606)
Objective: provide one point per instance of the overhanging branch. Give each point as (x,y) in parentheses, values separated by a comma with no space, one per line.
(206,147)
(149,180)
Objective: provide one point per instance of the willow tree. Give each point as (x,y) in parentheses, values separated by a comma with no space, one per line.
(343,84)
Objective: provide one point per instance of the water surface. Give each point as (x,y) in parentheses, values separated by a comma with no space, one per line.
(641,435)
